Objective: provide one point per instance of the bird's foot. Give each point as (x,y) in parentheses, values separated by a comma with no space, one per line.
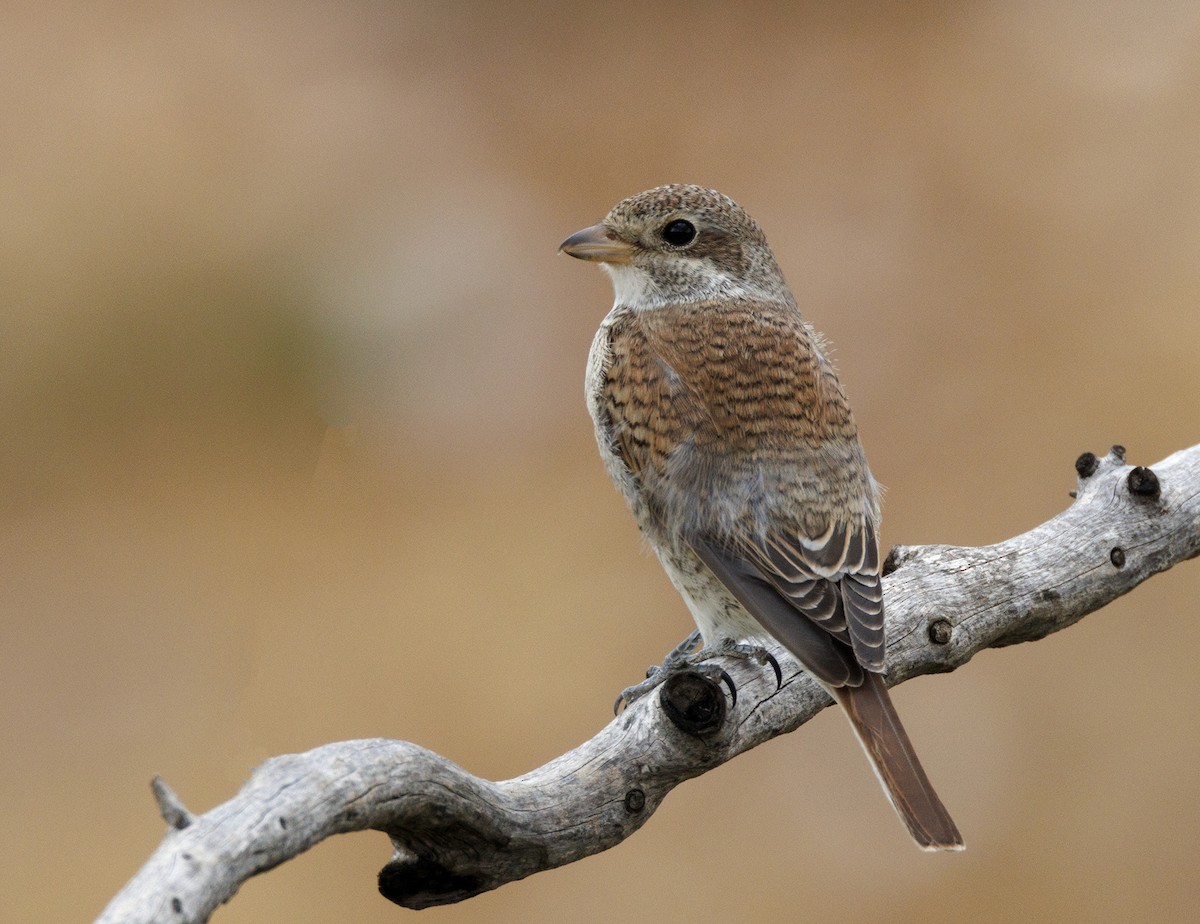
(728,648)
(684,657)
(679,658)
(658,674)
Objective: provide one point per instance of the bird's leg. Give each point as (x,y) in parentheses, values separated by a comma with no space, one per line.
(680,652)
(679,658)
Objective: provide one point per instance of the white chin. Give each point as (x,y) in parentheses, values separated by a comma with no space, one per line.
(631,285)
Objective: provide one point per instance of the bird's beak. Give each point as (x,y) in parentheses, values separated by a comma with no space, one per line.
(596,244)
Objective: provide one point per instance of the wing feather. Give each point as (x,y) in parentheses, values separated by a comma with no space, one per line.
(819,651)
(833,581)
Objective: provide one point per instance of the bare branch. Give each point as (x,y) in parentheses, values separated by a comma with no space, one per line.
(456,835)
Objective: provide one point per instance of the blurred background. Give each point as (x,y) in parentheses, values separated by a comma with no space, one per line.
(294,445)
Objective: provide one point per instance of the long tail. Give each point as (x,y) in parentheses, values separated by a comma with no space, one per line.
(891,754)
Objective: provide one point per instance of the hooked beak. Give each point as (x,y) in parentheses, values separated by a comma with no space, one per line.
(595,244)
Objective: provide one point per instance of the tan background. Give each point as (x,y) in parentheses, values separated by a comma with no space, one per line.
(294,447)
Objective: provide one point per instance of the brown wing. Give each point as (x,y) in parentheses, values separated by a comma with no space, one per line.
(821,653)
(792,587)
(832,580)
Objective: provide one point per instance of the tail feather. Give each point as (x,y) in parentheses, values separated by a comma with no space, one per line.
(895,762)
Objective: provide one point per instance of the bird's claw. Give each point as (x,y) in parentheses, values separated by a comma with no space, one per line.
(770,659)
(728,681)
(681,658)
(654,676)
(756,653)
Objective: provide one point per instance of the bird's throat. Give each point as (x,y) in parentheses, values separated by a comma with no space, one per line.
(632,286)
(639,289)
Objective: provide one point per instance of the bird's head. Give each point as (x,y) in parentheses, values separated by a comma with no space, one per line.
(680,243)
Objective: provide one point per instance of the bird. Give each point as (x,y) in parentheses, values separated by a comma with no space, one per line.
(723,423)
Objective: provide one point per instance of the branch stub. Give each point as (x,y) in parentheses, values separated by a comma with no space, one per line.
(1143,482)
(940,631)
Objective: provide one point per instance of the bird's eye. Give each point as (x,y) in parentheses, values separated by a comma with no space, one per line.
(679,233)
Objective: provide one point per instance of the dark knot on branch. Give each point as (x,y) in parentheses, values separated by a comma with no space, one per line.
(693,703)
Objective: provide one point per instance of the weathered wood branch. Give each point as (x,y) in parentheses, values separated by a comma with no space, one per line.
(456,835)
